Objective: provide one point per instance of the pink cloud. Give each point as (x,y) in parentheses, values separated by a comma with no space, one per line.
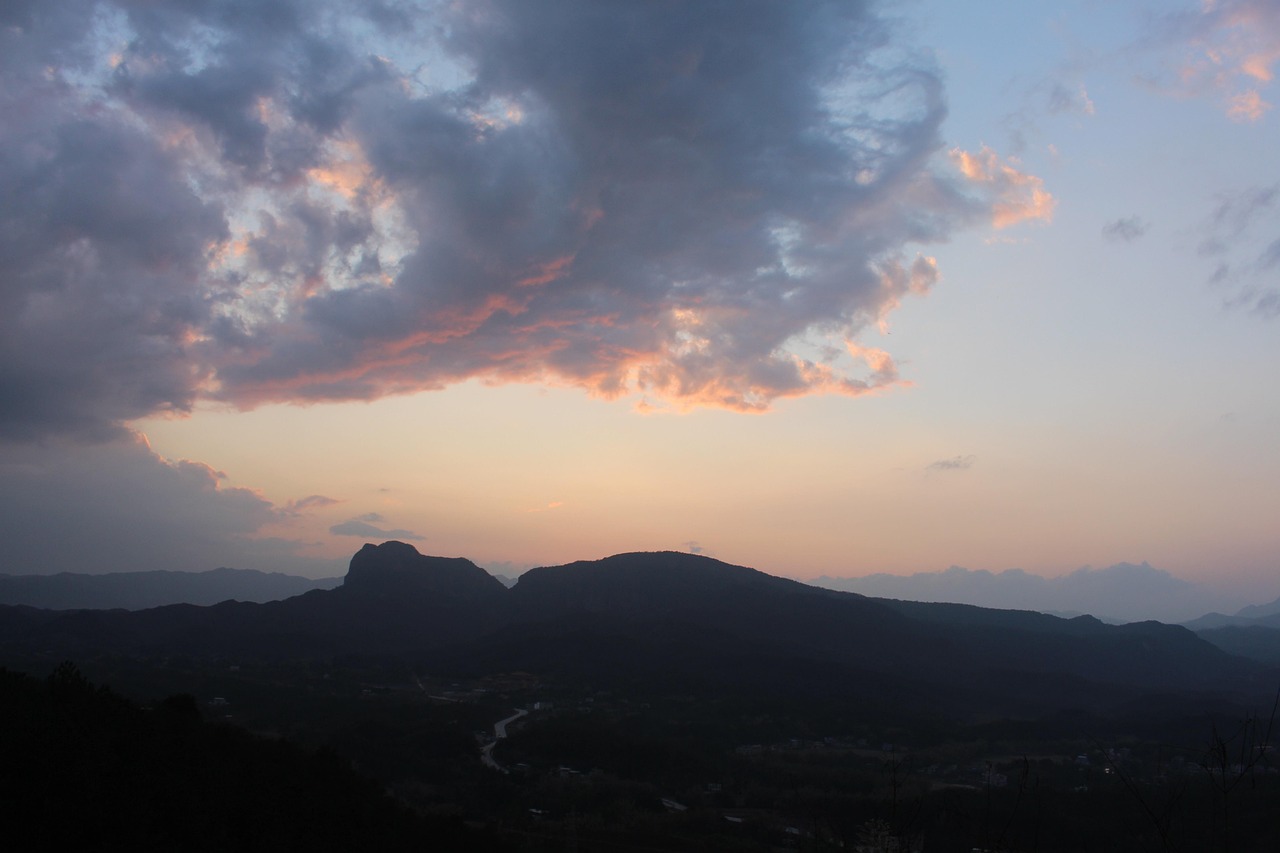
(1247,106)
(1015,196)
(1234,48)
(654,207)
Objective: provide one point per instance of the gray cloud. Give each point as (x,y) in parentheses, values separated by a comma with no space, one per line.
(1236,212)
(1125,230)
(310,502)
(117,506)
(279,201)
(1063,99)
(1238,236)
(363,526)
(101,278)
(1225,49)
(955,463)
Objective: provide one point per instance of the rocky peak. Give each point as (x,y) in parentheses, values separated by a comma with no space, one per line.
(396,568)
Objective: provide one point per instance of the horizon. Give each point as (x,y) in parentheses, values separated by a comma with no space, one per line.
(830,291)
(1118,594)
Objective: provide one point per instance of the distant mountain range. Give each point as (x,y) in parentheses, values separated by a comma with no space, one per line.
(1255,615)
(1253,632)
(1125,592)
(140,590)
(680,620)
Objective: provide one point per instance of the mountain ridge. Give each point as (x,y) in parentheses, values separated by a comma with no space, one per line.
(1124,592)
(147,589)
(666,615)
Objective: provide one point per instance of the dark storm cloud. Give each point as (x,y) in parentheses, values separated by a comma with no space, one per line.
(284,201)
(102,263)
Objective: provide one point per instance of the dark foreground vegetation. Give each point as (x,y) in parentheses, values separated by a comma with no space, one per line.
(82,768)
(651,703)
(365,756)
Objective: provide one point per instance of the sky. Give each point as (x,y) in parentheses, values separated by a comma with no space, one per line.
(823,288)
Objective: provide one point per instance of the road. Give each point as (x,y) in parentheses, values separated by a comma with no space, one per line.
(499,732)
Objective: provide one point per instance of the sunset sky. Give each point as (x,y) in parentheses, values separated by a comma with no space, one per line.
(823,288)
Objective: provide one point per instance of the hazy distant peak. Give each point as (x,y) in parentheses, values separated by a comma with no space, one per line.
(1266,615)
(140,590)
(1122,592)
(1258,611)
(1127,570)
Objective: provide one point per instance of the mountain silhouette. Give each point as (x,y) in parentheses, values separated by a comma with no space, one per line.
(396,569)
(673,617)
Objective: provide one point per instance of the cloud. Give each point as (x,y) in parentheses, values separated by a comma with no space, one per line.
(1230,49)
(287,201)
(1125,230)
(1242,237)
(362,526)
(955,463)
(1236,212)
(1017,196)
(117,506)
(1053,96)
(1062,99)
(310,502)
(1247,106)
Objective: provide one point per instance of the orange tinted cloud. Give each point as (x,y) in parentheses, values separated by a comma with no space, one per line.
(290,221)
(1014,196)
(897,280)
(347,175)
(1235,46)
(1247,106)
(548,272)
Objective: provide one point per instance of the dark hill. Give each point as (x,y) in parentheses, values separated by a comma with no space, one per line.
(690,621)
(1144,654)
(662,590)
(723,613)
(677,617)
(649,582)
(1259,642)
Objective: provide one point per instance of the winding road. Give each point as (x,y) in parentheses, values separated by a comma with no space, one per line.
(499,732)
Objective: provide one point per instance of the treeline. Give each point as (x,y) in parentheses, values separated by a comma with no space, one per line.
(82,768)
